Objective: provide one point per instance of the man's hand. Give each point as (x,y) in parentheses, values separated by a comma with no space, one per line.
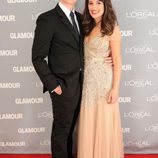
(58,90)
(108,60)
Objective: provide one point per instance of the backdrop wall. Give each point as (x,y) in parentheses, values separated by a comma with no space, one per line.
(25,113)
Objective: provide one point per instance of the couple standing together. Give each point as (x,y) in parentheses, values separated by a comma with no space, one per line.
(78,50)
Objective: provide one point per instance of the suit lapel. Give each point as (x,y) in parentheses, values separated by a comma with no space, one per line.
(66,21)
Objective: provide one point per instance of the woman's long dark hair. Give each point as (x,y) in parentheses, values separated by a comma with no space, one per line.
(108,20)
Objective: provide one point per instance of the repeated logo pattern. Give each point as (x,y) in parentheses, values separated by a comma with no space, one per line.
(26,114)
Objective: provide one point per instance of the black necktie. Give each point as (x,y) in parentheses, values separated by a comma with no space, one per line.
(74,25)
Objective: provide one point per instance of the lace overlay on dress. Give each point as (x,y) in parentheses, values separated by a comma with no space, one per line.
(97,74)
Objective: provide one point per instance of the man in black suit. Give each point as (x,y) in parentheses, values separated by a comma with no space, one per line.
(58,36)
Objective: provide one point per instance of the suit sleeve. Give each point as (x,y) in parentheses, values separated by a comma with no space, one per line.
(40,50)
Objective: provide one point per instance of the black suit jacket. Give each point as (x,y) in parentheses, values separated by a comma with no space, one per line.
(55,38)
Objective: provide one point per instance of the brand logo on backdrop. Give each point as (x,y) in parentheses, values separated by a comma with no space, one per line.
(126,33)
(9,85)
(137,143)
(139,50)
(22,1)
(153,98)
(126,130)
(22,35)
(137,115)
(7,18)
(153,32)
(34,17)
(23,69)
(45,114)
(152,128)
(124,99)
(139,83)
(45,142)
(29,100)
(11,116)
(153,66)
(141,14)
(127,67)
(12,144)
(8,53)
(31,130)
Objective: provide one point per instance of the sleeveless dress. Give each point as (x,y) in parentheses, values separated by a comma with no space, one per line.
(99,130)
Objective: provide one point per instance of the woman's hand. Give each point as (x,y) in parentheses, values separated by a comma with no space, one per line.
(113,96)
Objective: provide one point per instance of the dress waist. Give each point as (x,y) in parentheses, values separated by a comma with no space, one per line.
(99,59)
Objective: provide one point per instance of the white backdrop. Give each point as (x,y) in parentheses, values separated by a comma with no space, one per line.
(25,113)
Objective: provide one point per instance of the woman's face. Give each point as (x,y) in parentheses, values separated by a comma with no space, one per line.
(96,9)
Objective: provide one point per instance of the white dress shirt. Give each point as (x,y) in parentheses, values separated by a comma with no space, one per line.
(67,13)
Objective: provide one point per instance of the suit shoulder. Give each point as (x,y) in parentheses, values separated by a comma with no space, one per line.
(47,15)
(79,14)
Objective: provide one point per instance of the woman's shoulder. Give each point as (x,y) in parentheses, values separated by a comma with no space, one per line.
(116,35)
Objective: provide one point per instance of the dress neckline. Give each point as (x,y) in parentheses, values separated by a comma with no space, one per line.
(92,39)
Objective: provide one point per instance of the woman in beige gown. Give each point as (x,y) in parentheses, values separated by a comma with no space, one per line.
(99,133)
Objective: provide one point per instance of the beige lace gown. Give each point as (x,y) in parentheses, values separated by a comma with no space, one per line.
(99,132)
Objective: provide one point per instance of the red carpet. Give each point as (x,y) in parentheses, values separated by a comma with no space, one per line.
(48,156)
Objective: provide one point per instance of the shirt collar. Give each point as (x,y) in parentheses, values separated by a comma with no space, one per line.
(65,9)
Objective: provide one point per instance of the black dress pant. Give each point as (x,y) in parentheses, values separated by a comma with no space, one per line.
(65,113)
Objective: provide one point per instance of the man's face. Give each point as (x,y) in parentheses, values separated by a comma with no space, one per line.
(69,2)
